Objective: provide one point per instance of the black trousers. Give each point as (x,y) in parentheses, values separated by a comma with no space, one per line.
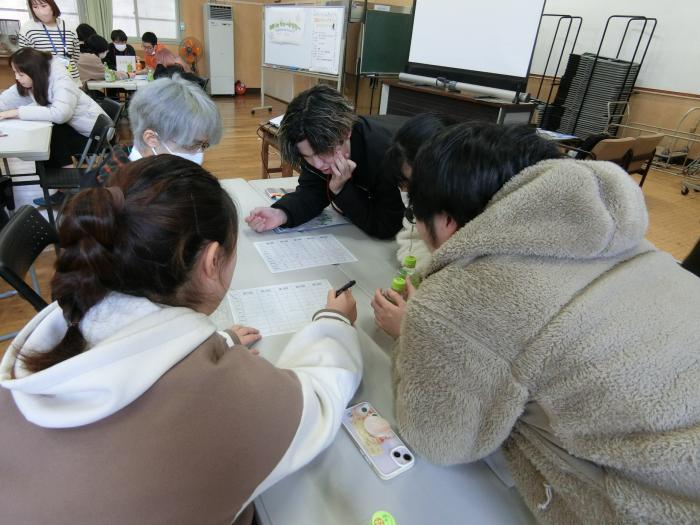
(65,142)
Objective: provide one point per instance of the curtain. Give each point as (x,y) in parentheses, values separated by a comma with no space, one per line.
(97,13)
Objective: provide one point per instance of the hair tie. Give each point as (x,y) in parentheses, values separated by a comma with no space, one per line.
(117,197)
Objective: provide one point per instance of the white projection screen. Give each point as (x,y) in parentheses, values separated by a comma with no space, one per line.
(487,42)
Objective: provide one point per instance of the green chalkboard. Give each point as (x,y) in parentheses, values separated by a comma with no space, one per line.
(386,42)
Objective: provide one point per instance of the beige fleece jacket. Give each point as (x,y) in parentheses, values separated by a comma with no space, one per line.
(548,326)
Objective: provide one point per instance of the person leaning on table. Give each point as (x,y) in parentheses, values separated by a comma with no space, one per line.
(169,115)
(122,403)
(341,162)
(548,326)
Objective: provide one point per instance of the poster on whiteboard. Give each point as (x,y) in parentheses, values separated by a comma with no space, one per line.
(325,44)
(286,26)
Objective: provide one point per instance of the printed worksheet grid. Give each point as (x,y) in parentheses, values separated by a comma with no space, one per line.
(284,255)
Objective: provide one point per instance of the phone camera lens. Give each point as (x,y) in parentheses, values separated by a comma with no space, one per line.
(364,409)
(407,457)
(397,454)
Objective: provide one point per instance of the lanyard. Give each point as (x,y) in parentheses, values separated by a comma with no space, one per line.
(63,39)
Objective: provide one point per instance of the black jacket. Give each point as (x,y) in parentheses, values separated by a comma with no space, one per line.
(371,199)
(113,53)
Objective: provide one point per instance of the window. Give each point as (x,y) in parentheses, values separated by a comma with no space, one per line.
(17,10)
(135,17)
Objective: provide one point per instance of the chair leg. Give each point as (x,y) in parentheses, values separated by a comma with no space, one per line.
(5,295)
(10,335)
(49,208)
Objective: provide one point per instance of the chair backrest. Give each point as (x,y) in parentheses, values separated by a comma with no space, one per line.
(102,132)
(6,199)
(203,82)
(643,151)
(614,150)
(24,237)
(112,108)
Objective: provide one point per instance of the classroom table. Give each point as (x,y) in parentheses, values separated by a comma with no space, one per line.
(338,486)
(127,85)
(27,140)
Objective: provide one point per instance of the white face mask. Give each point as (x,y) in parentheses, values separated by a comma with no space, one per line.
(120,47)
(197,158)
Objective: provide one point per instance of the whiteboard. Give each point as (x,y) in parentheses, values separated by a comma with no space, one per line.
(305,38)
(497,36)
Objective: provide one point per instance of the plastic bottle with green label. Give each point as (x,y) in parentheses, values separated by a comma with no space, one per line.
(408,270)
(129,68)
(382,517)
(398,285)
(149,76)
(107,73)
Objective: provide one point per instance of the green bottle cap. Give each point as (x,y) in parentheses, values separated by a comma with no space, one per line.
(409,261)
(382,517)
(398,284)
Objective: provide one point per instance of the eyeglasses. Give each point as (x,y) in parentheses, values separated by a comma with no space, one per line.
(408,213)
(199,146)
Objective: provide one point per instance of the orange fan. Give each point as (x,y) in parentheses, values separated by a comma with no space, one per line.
(190,50)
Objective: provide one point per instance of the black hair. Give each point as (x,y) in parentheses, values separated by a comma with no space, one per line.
(320,115)
(96,44)
(415,132)
(150,38)
(162,71)
(84,31)
(459,170)
(118,36)
(37,65)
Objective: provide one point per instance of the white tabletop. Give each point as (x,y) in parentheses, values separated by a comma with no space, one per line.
(27,140)
(339,487)
(128,85)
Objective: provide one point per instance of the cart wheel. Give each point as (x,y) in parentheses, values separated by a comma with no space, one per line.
(684,190)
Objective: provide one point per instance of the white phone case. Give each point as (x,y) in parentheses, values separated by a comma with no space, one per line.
(378,443)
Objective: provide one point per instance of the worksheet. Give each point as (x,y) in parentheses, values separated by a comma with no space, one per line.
(328,217)
(278,309)
(298,253)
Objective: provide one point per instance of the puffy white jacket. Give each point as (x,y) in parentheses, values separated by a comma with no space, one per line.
(67,103)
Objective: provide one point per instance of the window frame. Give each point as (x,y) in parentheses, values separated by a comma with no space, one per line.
(137,38)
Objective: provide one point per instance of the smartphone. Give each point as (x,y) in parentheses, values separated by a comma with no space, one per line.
(275,193)
(378,443)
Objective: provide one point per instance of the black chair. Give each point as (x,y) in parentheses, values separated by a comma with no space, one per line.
(692,262)
(7,200)
(69,178)
(24,237)
(113,108)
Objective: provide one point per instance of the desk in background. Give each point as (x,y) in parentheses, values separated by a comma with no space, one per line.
(402,98)
(268,134)
(339,486)
(127,85)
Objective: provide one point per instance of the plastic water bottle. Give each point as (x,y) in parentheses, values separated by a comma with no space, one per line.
(408,270)
(107,73)
(149,76)
(398,284)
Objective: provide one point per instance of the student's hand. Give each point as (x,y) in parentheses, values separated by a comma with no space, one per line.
(247,336)
(388,315)
(264,219)
(341,169)
(10,113)
(344,303)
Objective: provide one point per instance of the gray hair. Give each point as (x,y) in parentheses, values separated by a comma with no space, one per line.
(178,110)
(320,115)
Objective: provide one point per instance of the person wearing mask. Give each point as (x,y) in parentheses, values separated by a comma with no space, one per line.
(118,48)
(172,420)
(46,31)
(90,64)
(84,31)
(341,158)
(547,325)
(150,45)
(44,91)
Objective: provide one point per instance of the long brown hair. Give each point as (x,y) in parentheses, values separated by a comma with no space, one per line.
(37,65)
(54,7)
(141,236)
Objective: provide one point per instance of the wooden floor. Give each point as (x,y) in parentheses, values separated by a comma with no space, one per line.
(674,219)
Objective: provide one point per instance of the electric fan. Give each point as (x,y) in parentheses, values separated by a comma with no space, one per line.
(190,50)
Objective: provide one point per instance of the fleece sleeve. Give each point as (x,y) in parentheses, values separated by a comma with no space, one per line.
(325,356)
(64,95)
(455,399)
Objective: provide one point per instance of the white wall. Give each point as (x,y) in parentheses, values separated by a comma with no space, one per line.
(673,60)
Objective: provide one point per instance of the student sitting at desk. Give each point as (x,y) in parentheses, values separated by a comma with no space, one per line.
(149,42)
(44,91)
(341,160)
(121,403)
(118,48)
(90,64)
(548,326)
(399,159)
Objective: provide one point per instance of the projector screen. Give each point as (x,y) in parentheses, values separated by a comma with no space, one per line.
(489,42)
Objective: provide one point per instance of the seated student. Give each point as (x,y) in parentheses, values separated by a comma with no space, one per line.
(166,58)
(121,403)
(90,65)
(169,115)
(170,71)
(548,326)
(149,42)
(84,31)
(45,91)
(118,48)
(340,156)
(399,158)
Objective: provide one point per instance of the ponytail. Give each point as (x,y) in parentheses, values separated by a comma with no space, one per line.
(85,269)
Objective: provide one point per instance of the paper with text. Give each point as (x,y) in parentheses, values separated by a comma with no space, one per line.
(298,253)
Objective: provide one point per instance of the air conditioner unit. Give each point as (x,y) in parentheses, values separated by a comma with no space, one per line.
(218,36)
